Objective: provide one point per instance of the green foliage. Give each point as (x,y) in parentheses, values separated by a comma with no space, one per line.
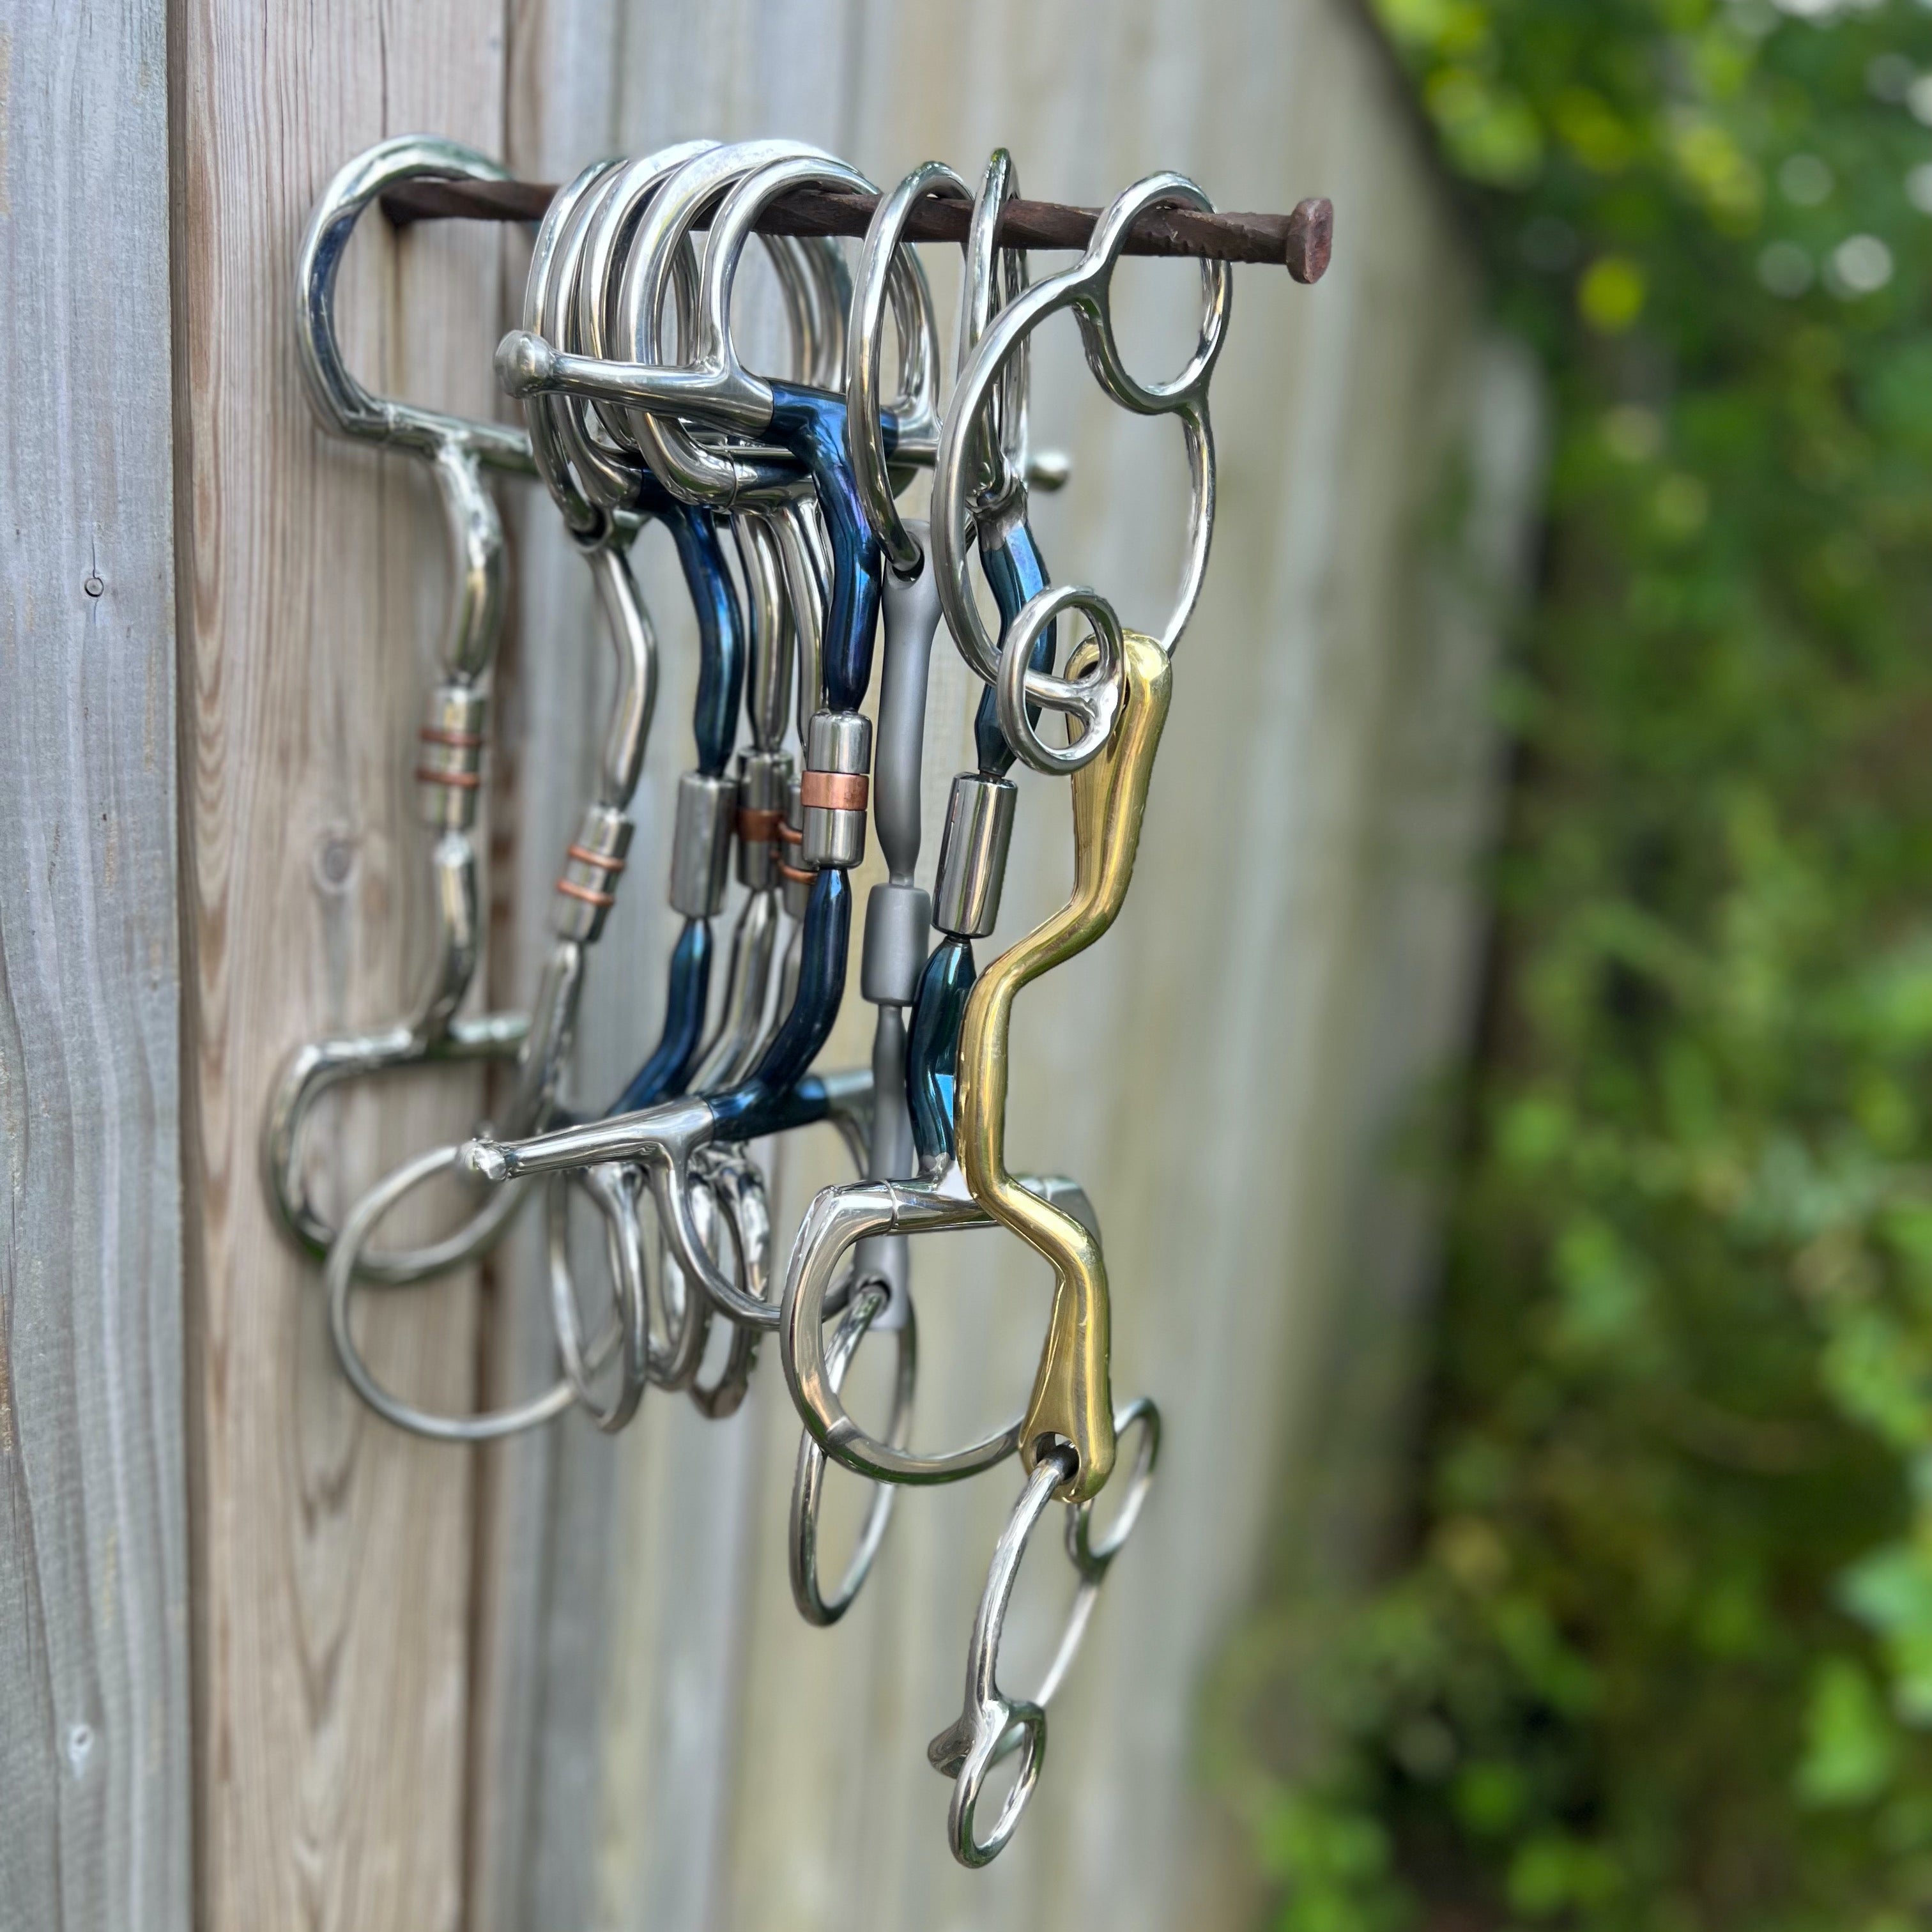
(1661,1655)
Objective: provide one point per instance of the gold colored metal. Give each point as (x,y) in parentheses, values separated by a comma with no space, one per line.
(1072,1401)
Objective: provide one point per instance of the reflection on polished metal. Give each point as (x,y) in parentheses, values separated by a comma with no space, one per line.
(339,1278)
(992,1726)
(869,1300)
(1070,1403)
(838,1219)
(1087,288)
(638,407)
(450,771)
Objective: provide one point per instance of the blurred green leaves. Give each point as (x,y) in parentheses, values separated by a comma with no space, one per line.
(1660,1657)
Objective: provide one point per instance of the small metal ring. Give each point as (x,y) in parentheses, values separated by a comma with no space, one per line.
(738,1188)
(715,1202)
(868,1301)
(992,1726)
(991,277)
(1094,699)
(1095,310)
(339,1278)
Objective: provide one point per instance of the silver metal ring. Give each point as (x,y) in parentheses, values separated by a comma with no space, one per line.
(868,1301)
(339,1280)
(1095,698)
(837,1220)
(888,269)
(992,1726)
(670,450)
(990,277)
(726,1193)
(1087,288)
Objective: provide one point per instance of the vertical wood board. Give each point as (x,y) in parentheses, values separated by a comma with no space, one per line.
(333,1586)
(94,1558)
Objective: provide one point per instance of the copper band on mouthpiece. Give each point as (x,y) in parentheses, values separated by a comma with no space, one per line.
(834,791)
(590,858)
(759,826)
(452,754)
(592,863)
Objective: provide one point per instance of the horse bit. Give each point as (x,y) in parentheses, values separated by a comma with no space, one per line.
(780,494)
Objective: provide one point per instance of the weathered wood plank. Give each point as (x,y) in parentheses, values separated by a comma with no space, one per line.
(333,1583)
(93,1559)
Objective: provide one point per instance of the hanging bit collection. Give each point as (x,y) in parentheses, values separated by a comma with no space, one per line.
(780,497)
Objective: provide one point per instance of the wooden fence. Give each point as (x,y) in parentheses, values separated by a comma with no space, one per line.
(266,1664)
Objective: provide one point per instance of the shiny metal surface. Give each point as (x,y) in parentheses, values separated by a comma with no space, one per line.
(992,1726)
(339,1278)
(1070,1404)
(700,848)
(868,1301)
(458,450)
(623,1241)
(888,272)
(973,854)
(838,1219)
(1086,289)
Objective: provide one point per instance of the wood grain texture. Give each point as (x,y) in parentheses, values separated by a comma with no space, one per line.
(667,1744)
(94,1557)
(332,1583)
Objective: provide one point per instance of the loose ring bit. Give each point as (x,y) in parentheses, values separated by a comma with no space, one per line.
(1087,288)
(869,1302)
(339,1279)
(887,269)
